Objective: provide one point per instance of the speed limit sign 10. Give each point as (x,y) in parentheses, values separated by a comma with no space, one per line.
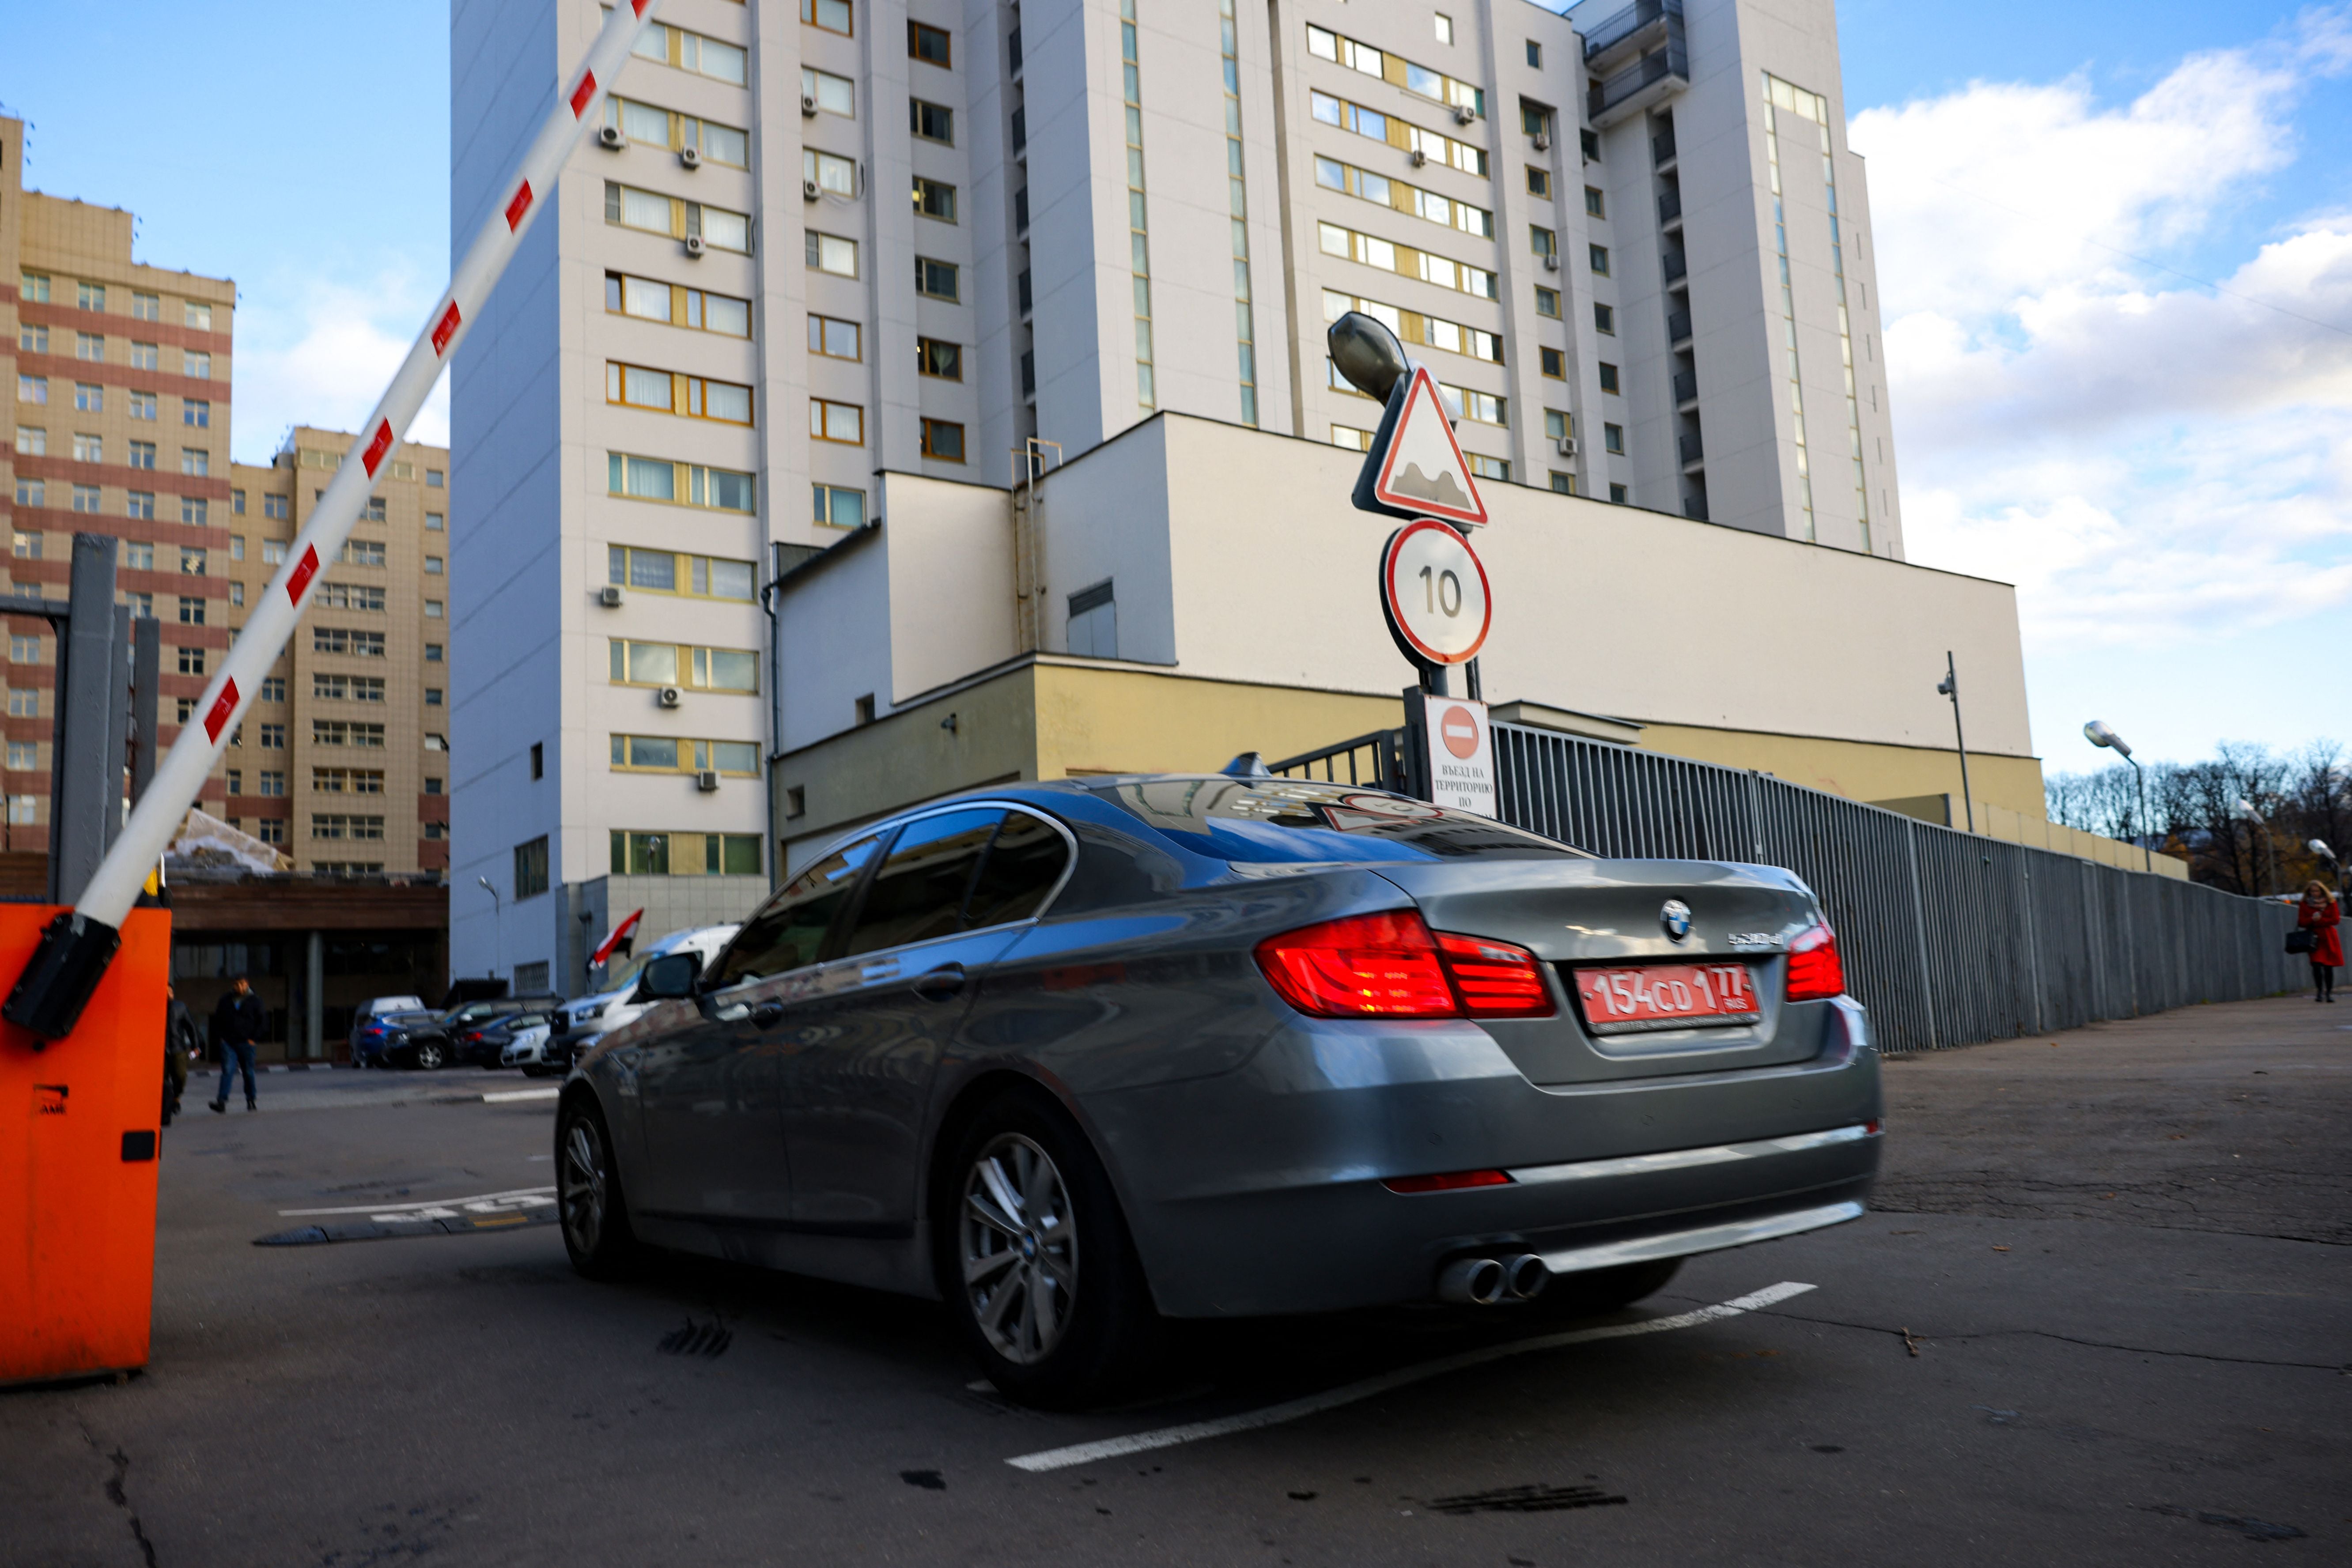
(1435,591)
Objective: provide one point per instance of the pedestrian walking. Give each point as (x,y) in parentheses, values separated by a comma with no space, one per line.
(237,1022)
(2319,915)
(179,1038)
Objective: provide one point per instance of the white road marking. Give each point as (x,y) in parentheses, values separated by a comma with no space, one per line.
(504,1199)
(1348,1393)
(520,1094)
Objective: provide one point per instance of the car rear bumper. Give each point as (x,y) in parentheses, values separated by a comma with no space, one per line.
(1261,1191)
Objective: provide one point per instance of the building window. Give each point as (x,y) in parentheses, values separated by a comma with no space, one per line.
(435,522)
(832,94)
(1535,55)
(830,253)
(270,830)
(1559,424)
(195,510)
(337,688)
(275,506)
(146,356)
(432,786)
(89,397)
(23,545)
(271,784)
(273,736)
(24,756)
(658,664)
(237,504)
(669,754)
(32,492)
(931,45)
(1617,494)
(23,704)
(695,576)
(1547,302)
(136,556)
(831,421)
(32,389)
(191,662)
(1542,241)
(433,565)
(1612,436)
(373,511)
(1538,181)
(199,317)
(832,15)
(24,650)
(196,366)
(1444,27)
(832,338)
(85,498)
(690,396)
(90,448)
(342,825)
(837,506)
(1598,256)
(347,781)
(24,810)
(434,743)
(345,732)
(90,346)
(433,831)
(195,462)
(1485,467)
(690,484)
(33,287)
(934,199)
(146,306)
(432,608)
(142,406)
(864,707)
(934,357)
(33,442)
(943,440)
(433,479)
(347,641)
(1094,622)
(236,595)
(1564,483)
(1595,203)
(931,121)
(936,279)
(32,339)
(1604,318)
(829,172)
(273,690)
(433,653)
(1554,363)
(192,612)
(195,413)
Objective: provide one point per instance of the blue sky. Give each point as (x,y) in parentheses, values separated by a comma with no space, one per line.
(2163,468)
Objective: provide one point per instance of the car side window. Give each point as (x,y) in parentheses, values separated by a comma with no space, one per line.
(919,890)
(789,930)
(1023,863)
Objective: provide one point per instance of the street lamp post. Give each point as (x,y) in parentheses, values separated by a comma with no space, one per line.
(498,925)
(1950,687)
(2099,734)
(2246,809)
(2319,847)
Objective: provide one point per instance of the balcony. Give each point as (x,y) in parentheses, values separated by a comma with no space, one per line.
(1670,209)
(1677,266)
(1640,87)
(1630,34)
(1029,372)
(1025,305)
(1686,386)
(1662,147)
(1694,451)
(1678,327)
(1012,52)
(1694,508)
(1020,131)
(1020,210)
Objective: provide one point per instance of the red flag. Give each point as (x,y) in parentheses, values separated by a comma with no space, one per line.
(623,938)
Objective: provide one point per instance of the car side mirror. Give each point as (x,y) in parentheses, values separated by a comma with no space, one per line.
(670,977)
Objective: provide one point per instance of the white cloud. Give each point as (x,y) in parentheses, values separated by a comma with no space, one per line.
(2147,458)
(321,353)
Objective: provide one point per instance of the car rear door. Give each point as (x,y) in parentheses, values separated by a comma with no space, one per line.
(951,895)
(708,1080)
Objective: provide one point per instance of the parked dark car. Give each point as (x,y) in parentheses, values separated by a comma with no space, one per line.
(485,1043)
(1081,1055)
(430,1040)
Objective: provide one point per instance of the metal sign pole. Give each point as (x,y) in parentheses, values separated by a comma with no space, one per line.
(77,946)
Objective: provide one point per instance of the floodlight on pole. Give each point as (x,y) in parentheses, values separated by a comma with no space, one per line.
(498,924)
(1950,687)
(2319,847)
(2099,733)
(78,944)
(2246,809)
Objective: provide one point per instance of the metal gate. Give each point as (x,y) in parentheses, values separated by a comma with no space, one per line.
(1948,938)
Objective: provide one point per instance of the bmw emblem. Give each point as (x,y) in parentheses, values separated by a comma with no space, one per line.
(1675,918)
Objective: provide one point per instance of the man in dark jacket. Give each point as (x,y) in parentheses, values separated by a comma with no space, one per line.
(179,1041)
(237,1022)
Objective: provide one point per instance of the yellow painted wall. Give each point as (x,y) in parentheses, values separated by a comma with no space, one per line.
(1858,770)
(1092,719)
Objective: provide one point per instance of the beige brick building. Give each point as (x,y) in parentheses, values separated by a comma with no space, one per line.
(341,758)
(115,418)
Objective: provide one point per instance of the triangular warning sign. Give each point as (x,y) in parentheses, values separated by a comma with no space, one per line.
(1415,468)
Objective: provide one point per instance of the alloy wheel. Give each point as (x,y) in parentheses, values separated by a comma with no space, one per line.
(1020,1250)
(428,1057)
(580,1189)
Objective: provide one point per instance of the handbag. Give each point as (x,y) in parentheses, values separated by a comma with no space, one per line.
(2302,939)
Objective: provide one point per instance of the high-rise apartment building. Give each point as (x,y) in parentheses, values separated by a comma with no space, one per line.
(341,759)
(820,243)
(114,420)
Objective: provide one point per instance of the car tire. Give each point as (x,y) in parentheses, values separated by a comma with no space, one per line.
(1599,1290)
(430,1056)
(1066,1319)
(589,1206)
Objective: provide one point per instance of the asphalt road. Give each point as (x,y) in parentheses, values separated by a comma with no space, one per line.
(2100,1316)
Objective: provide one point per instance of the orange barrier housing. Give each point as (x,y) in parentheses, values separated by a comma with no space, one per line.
(80,1126)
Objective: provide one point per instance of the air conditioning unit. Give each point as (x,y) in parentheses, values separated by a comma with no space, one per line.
(1464,115)
(1551,260)
(1568,446)
(707,779)
(690,156)
(1419,157)
(808,106)
(808,190)
(694,245)
(609,138)
(670,697)
(609,596)
(1543,141)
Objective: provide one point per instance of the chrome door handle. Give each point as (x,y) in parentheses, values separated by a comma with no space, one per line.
(767,1015)
(939,984)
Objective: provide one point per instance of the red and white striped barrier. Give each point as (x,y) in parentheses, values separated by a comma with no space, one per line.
(74,950)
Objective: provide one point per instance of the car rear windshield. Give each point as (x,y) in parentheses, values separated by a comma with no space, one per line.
(1294,821)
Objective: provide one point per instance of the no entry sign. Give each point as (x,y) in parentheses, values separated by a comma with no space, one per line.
(1461,753)
(1434,593)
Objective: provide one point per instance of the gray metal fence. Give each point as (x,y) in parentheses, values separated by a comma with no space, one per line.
(1948,938)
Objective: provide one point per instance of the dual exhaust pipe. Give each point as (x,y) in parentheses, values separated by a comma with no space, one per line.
(1492,1281)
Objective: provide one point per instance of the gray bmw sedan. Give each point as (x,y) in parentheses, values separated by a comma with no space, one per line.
(1081,1057)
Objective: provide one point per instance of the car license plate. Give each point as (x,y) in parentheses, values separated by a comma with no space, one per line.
(1666,997)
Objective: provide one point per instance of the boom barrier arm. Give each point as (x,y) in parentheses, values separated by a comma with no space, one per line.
(78,945)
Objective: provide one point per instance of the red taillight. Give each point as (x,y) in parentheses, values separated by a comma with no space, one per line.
(1496,979)
(1452,1181)
(1814,972)
(1382,966)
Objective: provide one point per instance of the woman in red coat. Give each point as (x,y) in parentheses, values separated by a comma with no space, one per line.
(2318,915)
